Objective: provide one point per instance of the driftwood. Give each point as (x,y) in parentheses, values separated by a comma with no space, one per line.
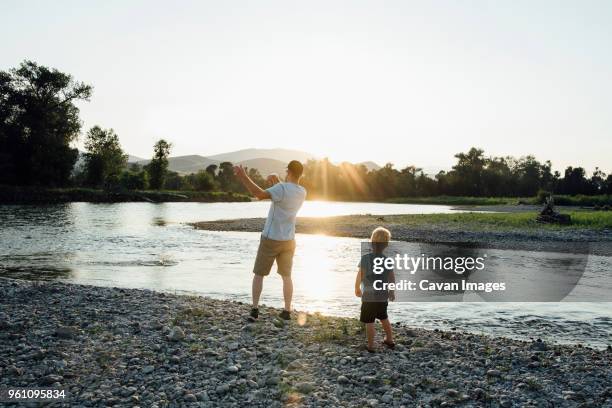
(548,215)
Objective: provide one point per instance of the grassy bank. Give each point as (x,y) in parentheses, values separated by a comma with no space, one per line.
(31,195)
(452,200)
(589,232)
(577,200)
(475,221)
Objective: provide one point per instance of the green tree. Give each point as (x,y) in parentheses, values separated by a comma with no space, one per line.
(175,181)
(202,181)
(134,180)
(256,177)
(38,122)
(158,167)
(469,170)
(598,182)
(104,160)
(226,178)
(212,170)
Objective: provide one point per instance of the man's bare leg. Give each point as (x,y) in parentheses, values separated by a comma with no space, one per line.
(287,291)
(256,289)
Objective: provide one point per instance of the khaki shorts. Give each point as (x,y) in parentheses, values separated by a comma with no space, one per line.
(270,250)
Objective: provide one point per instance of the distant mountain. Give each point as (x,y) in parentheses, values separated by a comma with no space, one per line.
(187,164)
(370,165)
(266,166)
(283,155)
(266,161)
(134,159)
(431,171)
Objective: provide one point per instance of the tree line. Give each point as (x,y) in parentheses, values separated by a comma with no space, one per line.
(39,121)
(474,174)
(105,166)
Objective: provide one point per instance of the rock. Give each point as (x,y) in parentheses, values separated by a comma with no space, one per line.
(342,379)
(305,387)
(273,380)
(232,369)
(14,370)
(493,373)
(176,334)
(202,396)
(538,345)
(127,391)
(148,369)
(387,398)
(411,333)
(568,395)
(51,379)
(67,332)
(190,398)
(222,389)
(478,393)
(295,365)
(451,392)
(369,379)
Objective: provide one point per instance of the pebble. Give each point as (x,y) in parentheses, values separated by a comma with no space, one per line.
(493,373)
(305,387)
(51,379)
(67,332)
(176,334)
(122,361)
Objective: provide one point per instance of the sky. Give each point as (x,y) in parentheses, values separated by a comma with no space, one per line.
(407,82)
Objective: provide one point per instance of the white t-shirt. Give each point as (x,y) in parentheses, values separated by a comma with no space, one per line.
(287,198)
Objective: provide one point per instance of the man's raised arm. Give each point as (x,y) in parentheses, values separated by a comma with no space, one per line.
(249,184)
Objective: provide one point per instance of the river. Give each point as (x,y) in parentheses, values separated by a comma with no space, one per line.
(142,245)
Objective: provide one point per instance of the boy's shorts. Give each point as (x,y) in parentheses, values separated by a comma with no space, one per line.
(370,311)
(271,250)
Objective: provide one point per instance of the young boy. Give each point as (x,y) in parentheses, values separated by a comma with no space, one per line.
(374,301)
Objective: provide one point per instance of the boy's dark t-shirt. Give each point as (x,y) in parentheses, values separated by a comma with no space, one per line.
(369,294)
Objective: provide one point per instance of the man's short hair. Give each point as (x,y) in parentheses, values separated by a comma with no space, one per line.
(296,168)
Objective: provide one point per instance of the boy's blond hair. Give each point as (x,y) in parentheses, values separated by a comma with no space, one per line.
(380,235)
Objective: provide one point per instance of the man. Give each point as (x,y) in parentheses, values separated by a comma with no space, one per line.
(278,236)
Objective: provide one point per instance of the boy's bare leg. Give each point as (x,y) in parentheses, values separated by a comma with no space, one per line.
(388,330)
(287,291)
(370,332)
(256,289)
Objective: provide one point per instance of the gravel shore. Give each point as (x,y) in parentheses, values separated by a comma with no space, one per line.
(360,226)
(120,347)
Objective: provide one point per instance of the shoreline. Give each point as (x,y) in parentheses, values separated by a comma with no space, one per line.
(32,195)
(110,346)
(575,240)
